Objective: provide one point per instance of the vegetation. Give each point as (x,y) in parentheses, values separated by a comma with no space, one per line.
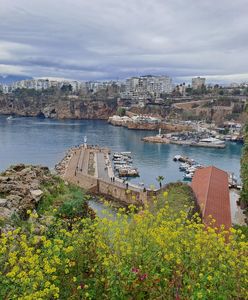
(244,170)
(121,111)
(160,179)
(152,254)
(56,192)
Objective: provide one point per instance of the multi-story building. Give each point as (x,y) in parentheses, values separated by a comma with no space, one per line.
(4,88)
(132,84)
(145,85)
(198,82)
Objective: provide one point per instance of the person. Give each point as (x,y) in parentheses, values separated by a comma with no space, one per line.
(113,179)
(127,185)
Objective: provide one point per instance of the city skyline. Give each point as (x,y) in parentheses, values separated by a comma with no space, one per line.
(105,40)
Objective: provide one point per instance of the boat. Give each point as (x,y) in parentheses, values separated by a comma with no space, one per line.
(128,172)
(177,157)
(9,118)
(122,154)
(188,176)
(211,142)
(118,167)
(127,153)
(120,159)
(184,166)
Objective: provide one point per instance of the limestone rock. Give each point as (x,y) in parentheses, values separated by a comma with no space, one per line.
(21,187)
(5,213)
(3,202)
(13,201)
(36,194)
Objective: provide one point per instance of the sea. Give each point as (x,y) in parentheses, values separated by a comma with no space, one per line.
(45,141)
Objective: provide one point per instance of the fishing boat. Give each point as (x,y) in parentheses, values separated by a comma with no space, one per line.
(188,176)
(177,157)
(184,166)
(128,172)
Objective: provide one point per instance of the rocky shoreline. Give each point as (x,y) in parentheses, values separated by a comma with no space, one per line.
(150,126)
(61,166)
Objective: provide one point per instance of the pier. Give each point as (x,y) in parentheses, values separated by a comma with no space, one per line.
(90,167)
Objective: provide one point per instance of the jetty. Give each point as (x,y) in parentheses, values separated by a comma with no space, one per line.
(90,167)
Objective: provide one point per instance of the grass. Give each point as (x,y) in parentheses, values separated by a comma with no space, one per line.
(58,192)
(179,196)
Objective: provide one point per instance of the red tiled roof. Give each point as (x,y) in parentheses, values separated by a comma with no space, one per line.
(211,188)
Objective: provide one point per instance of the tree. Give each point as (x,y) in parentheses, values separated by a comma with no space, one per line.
(159,179)
(66,88)
(121,111)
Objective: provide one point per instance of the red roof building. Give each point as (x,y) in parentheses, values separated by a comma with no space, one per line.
(211,188)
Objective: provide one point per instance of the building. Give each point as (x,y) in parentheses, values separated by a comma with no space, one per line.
(211,188)
(143,86)
(198,82)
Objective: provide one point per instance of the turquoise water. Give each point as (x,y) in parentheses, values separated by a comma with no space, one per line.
(43,141)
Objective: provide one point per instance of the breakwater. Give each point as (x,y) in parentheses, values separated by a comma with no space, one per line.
(90,168)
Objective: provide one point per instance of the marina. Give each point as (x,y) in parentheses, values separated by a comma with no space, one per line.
(189,166)
(89,167)
(19,143)
(123,165)
(192,139)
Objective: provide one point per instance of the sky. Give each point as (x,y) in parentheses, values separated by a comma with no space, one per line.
(113,39)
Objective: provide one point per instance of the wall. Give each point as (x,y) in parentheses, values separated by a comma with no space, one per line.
(126,196)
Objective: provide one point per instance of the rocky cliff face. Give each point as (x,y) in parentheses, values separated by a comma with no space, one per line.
(152,126)
(64,107)
(20,189)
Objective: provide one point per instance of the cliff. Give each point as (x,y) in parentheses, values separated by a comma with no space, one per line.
(151,126)
(58,107)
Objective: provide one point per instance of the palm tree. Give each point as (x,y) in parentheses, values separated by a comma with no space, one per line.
(159,179)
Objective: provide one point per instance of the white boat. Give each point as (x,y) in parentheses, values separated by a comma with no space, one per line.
(212,141)
(9,118)
(188,175)
(127,153)
(184,166)
(132,172)
(118,167)
(177,157)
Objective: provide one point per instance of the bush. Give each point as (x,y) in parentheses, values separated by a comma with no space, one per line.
(144,255)
(244,170)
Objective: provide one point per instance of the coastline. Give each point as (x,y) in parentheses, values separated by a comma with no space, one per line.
(164,140)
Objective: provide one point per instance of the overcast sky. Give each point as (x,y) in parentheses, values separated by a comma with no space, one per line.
(110,39)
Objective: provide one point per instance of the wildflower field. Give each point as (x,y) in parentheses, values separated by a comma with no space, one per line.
(146,253)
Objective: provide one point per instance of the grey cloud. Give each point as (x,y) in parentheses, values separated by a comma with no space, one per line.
(104,39)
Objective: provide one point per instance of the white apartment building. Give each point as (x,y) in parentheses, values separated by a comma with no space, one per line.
(4,88)
(154,85)
(198,82)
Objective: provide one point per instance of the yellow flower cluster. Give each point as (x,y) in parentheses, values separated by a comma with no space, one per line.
(135,255)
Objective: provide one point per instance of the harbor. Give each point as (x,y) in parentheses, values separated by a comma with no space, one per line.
(193,139)
(123,165)
(90,167)
(151,159)
(188,166)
